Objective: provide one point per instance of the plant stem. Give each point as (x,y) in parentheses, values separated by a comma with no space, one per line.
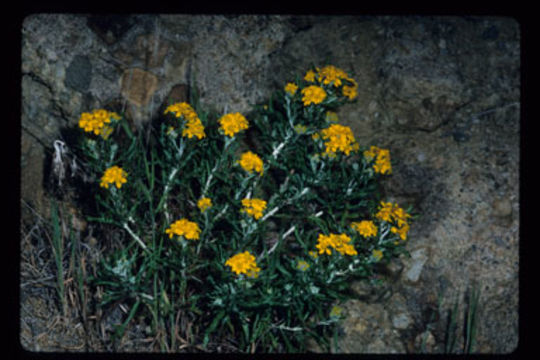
(228,142)
(162,201)
(126,128)
(135,237)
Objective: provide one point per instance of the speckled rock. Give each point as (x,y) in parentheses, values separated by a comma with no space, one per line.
(368,328)
(455,146)
(414,265)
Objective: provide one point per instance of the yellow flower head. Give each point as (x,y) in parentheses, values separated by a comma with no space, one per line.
(233,123)
(193,126)
(254,207)
(243,263)
(310,76)
(313,95)
(331,74)
(339,242)
(291,88)
(401,231)
(350,91)
(324,244)
(365,228)
(251,162)
(96,120)
(113,175)
(204,203)
(183,227)
(382,163)
(182,109)
(377,254)
(385,211)
(343,246)
(400,215)
(392,213)
(302,265)
(338,138)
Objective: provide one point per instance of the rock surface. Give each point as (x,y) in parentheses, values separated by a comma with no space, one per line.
(442,93)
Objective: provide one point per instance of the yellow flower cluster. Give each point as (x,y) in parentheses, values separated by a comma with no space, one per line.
(254,207)
(233,123)
(243,263)
(339,242)
(113,175)
(382,163)
(313,95)
(365,228)
(251,162)
(310,76)
(336,77)
(183,227)
(181,109)
(204,203)
(331,75)
(339,137)
(194,126)
(96,121)
(291,88)
(392,213)
(350,91)
(401,231)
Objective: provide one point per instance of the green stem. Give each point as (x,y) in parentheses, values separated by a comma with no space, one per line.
(228,142)
(126,128)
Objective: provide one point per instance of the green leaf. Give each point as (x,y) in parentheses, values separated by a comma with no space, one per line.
(213,327)
(121,329)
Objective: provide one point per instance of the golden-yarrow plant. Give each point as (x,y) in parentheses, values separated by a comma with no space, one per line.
(254,242)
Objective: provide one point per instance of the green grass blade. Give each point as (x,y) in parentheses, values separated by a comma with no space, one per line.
(451,329)
(58,248)
(121,329)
